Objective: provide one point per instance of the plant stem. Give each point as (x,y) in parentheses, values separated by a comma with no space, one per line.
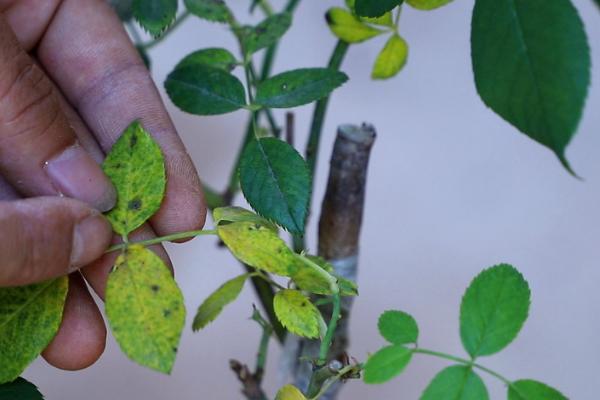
(174,25)
(161,239)
(463,361)
(316,128)
(336,378)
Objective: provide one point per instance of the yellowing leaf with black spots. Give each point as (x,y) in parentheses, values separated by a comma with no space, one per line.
(297,314)
(29,319)
(214,304)
(135,165)
(310,280)
(239,214)
(145,308)
(257,245)
(348,27)
(289,392)
(391,59)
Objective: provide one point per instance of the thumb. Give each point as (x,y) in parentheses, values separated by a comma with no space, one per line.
(46,237)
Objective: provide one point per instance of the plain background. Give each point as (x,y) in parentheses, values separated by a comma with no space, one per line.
(452,189)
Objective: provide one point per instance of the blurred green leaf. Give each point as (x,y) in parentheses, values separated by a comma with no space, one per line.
(155,15)
(457,383)
(29,319)
(493,310)
(145,308)
(135,165)
(375,8)
(20,389)
(531,67)
(204,90)
(427,4)
(297,314)
(210,10)
(398,327)
(386,364)
(275,181)
(298,87)
(527,389)
(256,244)
(210,309)
(212,57)
(348,27)
(391,59)
(267,33)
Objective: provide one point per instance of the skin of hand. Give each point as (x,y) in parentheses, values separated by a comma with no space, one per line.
(70,82)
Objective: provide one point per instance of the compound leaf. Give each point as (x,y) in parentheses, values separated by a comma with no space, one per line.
(275,181)
(527,389)
(213,57)
(457,383)
(348,27)
(256,244)
(386,364)
(493,310)
(145,308)
(29,319)
(135,165)
(375,8)
(210,309)
(427,4)
(155,15)
(298,87)
(297,314)
(532,68)
(205,90)
(289,392)
(20,389)
(267,33)
(391,59)
(210,10)
(398,327)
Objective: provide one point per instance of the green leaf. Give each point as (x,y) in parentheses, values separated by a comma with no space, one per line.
(289,392)
(311,281)
(386,20)
(267,33)
(391,59)
(457,383)
(375,8)
(275,181)
(348,27)
(20,389)
(239,214)
(211,10)
(204,90)
(212,57)
(155,15)
(145,308)
(427,4)
(257,245)
(297,314)
(123,8)
(386,364)
(398,327)
(527,389)
(29,319)
(532,68)
(214,304)
(135,165)
(493,310)
(298,87)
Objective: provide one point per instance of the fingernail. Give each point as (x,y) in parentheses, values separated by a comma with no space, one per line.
(75,174)
(91,236)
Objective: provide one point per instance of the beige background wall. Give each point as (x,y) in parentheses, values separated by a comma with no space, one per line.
(452,189)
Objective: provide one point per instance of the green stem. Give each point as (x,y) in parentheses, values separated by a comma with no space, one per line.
(333,380)
(316,128)
(161,239)
(463,361)
(170,29)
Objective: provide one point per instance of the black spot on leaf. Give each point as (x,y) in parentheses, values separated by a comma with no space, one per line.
(134,204)
(155,288)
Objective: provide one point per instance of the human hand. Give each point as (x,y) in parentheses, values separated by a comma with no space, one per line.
(70,82)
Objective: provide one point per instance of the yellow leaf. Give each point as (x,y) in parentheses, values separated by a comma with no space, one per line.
(348,27)
(391,59)
(289,392)
(297,314)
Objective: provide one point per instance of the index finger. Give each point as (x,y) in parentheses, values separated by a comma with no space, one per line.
(89,55)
